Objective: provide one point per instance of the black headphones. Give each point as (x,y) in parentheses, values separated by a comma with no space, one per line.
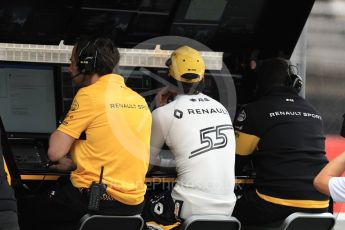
(294,80)
(87,58)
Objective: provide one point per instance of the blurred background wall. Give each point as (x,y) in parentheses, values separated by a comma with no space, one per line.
(325,61)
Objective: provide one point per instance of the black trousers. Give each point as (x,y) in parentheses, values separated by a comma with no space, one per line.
(250,209)
(8,220)
(63,206)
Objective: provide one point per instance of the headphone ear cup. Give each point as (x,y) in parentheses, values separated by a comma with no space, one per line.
(86,62)
(80,64)
(89,64)
(296,82)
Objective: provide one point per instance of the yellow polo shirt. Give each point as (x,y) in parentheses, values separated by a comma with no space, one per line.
(117,123)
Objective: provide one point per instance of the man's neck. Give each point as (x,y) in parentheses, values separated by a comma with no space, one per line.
(94,78)
(89,79)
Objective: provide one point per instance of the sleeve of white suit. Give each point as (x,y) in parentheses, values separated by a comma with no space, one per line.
(337,188)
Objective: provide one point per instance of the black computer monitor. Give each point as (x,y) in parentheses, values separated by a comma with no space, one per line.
(27,98)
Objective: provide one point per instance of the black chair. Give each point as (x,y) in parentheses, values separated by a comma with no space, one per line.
(100,222)
(210,222)
(302,221)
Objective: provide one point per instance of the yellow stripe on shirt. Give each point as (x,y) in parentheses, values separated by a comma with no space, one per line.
(7,172)
(295,203)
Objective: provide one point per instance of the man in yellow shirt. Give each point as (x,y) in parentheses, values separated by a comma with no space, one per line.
(115,123)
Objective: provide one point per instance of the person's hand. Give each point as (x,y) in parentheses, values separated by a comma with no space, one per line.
(252,64)
(64,164)
(163,96)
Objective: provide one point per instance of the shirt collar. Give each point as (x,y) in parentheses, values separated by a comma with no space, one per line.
(282,90)
(112,77)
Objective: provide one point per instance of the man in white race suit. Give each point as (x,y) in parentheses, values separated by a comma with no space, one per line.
(199,133)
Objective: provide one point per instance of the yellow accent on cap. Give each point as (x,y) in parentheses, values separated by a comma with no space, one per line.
(186,60)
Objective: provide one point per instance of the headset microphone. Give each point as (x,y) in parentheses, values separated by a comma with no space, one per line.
(76,75)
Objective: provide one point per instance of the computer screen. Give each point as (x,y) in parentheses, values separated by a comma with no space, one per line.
(27,98)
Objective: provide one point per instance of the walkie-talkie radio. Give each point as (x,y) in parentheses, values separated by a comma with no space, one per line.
(96,192)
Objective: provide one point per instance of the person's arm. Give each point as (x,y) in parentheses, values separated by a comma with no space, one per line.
(163,96)
(158,136)
(64,164)
(77,121)
(245,146)
(334,168)
(59,145)
(246,139)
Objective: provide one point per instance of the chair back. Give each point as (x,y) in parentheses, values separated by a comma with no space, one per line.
(302,221)
(206,222)
(101,222)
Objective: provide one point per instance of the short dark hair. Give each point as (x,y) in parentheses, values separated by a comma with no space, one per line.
(272,72)
(108,55)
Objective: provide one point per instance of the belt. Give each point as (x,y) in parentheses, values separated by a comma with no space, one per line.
(104,196)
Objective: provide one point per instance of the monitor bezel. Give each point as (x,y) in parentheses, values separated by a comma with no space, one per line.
(57,95)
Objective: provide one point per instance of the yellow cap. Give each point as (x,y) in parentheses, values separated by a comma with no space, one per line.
(186,65)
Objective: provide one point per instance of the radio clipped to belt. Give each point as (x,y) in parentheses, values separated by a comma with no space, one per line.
(97,190)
